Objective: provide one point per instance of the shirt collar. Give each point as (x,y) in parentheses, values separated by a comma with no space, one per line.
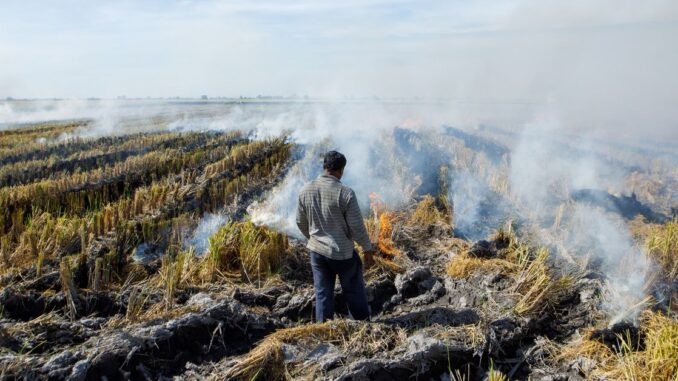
(328,177)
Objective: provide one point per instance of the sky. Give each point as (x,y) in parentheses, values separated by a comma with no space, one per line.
(592,57)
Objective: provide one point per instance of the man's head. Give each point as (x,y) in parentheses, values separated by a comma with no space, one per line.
(334,163)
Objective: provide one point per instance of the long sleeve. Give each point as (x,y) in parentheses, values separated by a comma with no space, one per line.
(302,219)
(354,220)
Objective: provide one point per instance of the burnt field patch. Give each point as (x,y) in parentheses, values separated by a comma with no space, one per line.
(137,257)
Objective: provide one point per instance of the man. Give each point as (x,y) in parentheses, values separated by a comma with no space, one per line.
(329,217)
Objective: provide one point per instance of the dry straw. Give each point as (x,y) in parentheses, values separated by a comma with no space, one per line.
(655,361)
(266,360)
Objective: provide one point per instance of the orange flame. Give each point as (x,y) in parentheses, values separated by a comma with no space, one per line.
(384,219)
(386,244)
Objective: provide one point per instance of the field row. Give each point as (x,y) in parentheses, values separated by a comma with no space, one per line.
(80,192)
(25,172)
(41,132)
(124,203)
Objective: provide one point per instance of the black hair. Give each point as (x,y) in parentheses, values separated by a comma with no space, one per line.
(334,161)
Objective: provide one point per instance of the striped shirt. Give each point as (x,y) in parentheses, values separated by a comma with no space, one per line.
(328,215)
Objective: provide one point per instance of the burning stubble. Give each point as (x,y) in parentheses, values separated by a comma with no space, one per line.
(525,170)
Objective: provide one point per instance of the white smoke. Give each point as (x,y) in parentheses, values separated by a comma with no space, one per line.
(546,163)
(278,210)
(604,68)
(544,170)
(607,238)
(477,209)
(16,112)
(363,132)
(208,225)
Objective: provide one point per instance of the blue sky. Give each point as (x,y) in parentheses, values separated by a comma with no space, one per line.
(622,52)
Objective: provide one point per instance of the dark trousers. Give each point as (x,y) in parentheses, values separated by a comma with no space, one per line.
(350,272)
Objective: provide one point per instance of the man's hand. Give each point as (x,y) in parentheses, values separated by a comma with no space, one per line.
(368,258)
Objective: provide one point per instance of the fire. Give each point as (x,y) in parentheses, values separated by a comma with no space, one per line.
(381,227)
(386,244)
